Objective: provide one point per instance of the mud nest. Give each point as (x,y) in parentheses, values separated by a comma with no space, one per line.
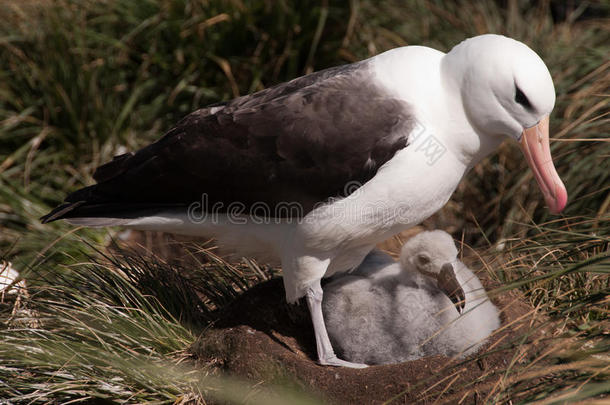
(261,338)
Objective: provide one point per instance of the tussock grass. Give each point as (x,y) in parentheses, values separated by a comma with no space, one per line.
(116,329)
(81,81)
(564,272)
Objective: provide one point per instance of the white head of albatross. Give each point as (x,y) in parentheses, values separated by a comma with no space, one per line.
(387,312)
(507,91)
(262,172)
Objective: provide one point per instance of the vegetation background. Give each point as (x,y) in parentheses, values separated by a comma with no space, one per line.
(81,81)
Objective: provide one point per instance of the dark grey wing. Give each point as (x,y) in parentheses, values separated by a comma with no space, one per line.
(297,142)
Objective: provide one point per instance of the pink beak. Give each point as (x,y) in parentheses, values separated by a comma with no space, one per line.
(535,147)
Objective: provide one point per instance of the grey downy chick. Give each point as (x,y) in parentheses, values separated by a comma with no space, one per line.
(388,312)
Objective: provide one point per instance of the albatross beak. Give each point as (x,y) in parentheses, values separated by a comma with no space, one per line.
(535,147)
(448,282)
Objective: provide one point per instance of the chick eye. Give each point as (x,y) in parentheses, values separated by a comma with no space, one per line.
(521,98)
(423,259)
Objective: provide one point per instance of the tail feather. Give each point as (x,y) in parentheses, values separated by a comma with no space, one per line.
(61,211)
(106,214)
(99,222)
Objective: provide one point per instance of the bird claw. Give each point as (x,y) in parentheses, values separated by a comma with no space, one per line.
(335,361)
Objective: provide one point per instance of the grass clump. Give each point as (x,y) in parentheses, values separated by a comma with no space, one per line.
(96,333)
(564,272)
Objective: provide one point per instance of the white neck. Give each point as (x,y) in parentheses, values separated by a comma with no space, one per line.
(432,88)
(469,143)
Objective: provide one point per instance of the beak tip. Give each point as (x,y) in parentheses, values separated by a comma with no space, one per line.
(558,201)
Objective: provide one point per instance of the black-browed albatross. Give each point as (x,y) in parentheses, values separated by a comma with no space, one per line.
(316,171)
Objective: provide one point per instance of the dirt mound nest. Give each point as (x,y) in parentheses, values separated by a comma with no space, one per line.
(263,339)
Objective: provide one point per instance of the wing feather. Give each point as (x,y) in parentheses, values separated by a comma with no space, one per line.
(298,142)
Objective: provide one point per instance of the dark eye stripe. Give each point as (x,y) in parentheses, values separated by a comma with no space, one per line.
(521,98)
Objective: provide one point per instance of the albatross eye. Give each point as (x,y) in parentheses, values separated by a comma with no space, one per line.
(521,98)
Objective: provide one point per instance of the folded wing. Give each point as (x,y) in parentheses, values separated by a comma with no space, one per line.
(299,142)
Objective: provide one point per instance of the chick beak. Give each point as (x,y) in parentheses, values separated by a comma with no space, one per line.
(448,283)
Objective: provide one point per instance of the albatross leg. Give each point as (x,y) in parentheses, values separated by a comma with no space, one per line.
(326,354)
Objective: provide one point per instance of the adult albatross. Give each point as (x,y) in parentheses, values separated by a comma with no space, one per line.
(316,171)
